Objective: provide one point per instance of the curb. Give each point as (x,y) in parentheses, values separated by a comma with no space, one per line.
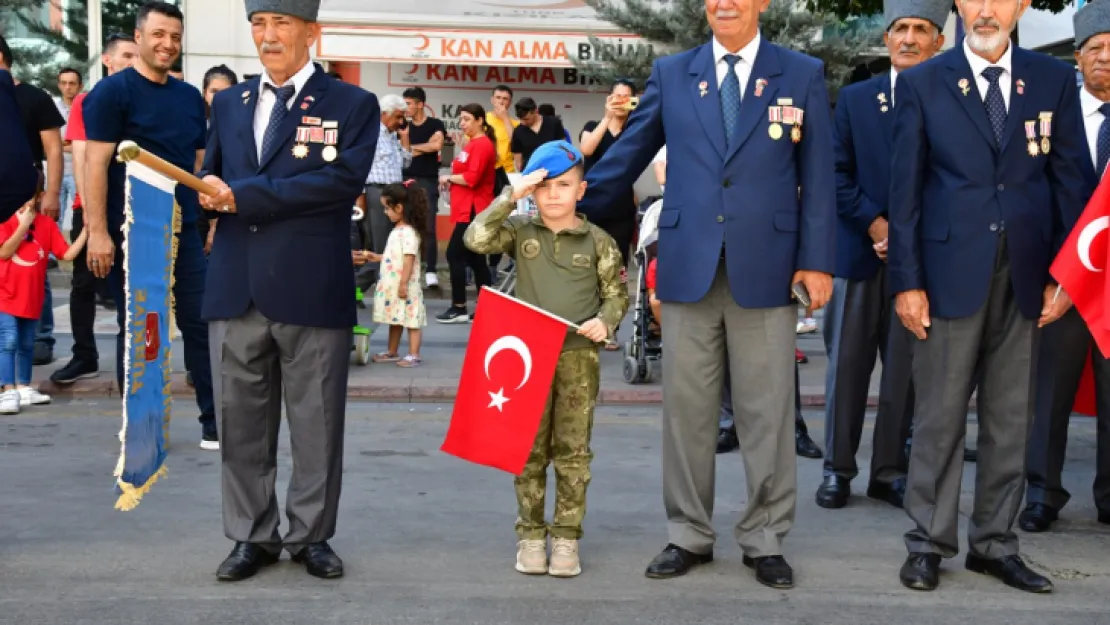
(627,395)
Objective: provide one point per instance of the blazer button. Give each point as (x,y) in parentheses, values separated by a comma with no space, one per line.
(1001,187)
(727,183)
(994,227)
(254,228)
(720,219)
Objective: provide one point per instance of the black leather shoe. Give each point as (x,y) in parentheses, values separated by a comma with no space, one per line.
(893,493)
(244,561)
(805,446)
(771,571)
(971,455)
(1010,570)
(727,440)
(921,571)
(320,561)
(1037,517)
(833,492)
(675,561)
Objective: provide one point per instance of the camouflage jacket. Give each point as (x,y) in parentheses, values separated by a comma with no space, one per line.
(574,274)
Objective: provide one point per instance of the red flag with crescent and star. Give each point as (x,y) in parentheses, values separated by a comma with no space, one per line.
(506,379)
(1081,270)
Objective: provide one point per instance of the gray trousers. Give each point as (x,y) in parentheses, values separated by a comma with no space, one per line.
(1061,358)
(727,420)
(758,343)
(999,344)
(255,359)
(859,323)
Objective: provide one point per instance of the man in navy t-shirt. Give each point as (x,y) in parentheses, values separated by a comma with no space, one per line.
(166,117)
(17,170)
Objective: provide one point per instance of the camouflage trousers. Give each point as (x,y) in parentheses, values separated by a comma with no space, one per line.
(563,440)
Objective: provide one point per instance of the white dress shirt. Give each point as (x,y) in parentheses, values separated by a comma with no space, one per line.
(893,80)
(978,64)
(743,66)
(266,99)
(1092,121)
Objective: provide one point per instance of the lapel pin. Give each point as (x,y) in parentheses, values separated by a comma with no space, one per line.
(246,97)
(963,85)
(1020,87)
(759,85)
(882,102)
(703,88)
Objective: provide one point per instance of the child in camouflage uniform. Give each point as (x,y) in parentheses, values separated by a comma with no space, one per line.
(569,268)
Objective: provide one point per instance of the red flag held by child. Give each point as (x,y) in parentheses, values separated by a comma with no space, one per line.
(506,379)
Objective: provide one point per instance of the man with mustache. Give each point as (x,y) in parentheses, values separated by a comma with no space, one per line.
(860,320)
(289,152)
(1066,343)
(166,117)
(750,213)
(986,183)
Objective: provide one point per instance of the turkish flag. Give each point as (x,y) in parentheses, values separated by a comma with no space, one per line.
(1085,396)
(506,379)
(1080,267)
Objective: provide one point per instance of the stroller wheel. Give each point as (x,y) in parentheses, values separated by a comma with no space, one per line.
(362,349)
(646,370)
(633,372)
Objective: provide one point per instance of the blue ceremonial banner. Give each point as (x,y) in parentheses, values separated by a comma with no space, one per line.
(152,218)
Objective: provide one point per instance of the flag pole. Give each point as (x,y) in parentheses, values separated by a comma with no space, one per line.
(571,324)
(129,151)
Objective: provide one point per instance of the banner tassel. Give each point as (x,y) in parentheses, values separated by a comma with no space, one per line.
(132,495)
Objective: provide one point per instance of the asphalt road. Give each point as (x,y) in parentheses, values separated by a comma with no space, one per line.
(429,539)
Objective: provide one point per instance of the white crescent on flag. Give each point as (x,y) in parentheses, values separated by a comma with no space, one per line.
(515,344)
(1087,237)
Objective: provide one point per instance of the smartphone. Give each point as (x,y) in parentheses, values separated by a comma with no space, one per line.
(631,104)
(801,294)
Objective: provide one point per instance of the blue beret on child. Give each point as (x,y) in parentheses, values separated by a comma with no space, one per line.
(557,157)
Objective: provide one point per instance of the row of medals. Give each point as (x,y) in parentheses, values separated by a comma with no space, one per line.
(328,153)
(775,132)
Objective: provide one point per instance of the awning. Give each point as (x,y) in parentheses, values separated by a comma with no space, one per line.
(527,33)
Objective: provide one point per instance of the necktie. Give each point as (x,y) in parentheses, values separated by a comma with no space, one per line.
(996,105)
(277,114)
(730,98)
(1102,147)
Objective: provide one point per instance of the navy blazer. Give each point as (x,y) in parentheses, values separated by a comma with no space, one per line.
(864,131)
(288,248)
(744,197)
(953,191)
(17,168)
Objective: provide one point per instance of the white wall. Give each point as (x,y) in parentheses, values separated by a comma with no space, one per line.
(217,33)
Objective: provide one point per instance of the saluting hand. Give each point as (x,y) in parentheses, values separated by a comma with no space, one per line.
(526,185)
(223,201)
(913,309)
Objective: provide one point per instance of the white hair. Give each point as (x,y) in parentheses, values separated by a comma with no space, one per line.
(391,103)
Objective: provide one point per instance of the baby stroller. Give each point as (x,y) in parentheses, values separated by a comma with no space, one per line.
(645,347)
(361,343)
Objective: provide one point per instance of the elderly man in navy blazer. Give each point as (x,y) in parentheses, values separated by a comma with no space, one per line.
(289,152)
(860,319)
(749,212)
(987,181)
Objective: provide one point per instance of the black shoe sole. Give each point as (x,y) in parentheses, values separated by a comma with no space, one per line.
(917,585)
(702,559)
(263,562)
(83,376)
(299,559)
(831,504)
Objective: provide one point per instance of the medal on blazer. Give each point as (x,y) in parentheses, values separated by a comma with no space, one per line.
(796,132)
(331,137)
(774,115)
(1046,130)
(1031,136)
(882,102)
(300,150)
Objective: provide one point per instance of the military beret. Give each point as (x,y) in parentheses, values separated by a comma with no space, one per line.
(305,9)
(1093,19)
(936,11)
(557,157)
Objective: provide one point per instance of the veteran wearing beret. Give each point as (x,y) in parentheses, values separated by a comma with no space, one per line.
(860,319)
(1066,343)
(988,177)
(289,152)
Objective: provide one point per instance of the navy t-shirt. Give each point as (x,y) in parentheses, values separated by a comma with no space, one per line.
(167,120)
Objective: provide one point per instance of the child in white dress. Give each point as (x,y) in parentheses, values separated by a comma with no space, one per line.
(398,298)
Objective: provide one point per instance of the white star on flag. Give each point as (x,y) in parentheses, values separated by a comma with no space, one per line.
(497,400)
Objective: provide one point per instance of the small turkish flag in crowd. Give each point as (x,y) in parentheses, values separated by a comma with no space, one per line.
(1080,267)
(505,381)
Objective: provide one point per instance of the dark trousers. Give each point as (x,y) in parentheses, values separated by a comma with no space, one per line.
(431,246)
(623,230)
(1062,356)
(458,259)
(82,300)
(188,291)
